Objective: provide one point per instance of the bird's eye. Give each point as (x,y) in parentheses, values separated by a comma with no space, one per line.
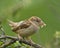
(37,20)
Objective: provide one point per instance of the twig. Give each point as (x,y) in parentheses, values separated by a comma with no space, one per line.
(7,44)
(2,30)
(3,33)
(14,39)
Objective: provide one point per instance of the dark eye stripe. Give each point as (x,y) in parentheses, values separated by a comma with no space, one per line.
(38,20)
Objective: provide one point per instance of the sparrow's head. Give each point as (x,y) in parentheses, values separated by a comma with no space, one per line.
(38,21)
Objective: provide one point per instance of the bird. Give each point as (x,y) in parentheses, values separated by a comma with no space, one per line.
(26,28)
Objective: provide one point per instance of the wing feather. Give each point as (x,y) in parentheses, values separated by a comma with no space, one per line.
(23,25)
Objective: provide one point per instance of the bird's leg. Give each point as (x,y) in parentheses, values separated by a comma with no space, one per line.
(19,37)
(29,40)
(32,43)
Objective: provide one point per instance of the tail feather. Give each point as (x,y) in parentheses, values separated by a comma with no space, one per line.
(11,23)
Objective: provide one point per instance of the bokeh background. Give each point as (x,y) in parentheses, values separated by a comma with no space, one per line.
(47,10)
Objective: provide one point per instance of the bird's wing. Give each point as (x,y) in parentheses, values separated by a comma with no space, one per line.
(22,25)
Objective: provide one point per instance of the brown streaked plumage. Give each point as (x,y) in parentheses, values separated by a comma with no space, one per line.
(26,28)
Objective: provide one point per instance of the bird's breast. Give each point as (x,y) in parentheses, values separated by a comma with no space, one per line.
(28,31)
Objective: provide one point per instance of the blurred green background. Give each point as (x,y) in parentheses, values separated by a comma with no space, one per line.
(47,10)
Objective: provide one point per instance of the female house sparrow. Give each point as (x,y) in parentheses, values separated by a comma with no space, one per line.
(26,28)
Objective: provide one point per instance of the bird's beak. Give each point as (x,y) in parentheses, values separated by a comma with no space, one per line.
(43,25)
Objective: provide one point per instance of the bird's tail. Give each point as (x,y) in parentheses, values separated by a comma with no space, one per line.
(11,23)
